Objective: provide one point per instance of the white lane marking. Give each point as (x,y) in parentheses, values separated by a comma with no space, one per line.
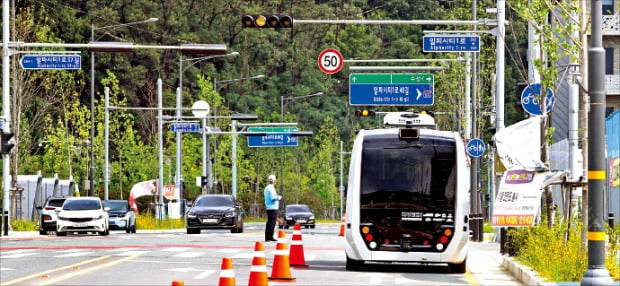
(204,274)
(189,254)
(75,254)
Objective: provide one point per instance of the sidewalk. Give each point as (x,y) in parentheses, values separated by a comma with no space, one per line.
(492,268)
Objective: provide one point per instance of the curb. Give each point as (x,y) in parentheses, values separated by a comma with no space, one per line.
(524,274)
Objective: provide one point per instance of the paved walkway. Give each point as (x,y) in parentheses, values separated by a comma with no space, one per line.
(485,263)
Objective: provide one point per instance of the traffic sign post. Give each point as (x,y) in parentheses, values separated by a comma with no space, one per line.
(330,61)
(530,99)
(276,137)
(454,43)
(51,62)
(391,89)
(475,147)
(185,127)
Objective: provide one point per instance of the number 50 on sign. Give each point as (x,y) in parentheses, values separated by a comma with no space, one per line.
(330,61)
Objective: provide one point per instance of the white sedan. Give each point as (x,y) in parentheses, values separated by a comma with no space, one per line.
(82,215)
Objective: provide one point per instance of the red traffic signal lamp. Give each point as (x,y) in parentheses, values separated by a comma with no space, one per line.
(7,142)
(267,21)
(364,113)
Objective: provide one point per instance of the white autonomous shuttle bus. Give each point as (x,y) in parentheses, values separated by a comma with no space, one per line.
(408,195)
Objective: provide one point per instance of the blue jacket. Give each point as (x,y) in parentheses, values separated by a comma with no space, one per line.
(272,199)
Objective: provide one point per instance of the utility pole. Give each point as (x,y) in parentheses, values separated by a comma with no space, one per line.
(596,274)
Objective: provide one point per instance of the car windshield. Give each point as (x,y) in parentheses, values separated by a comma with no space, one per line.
(300,208)
(214,201)
(81,205)
(55,202)
(116,205)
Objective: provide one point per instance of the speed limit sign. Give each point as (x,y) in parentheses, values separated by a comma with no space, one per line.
(330,61)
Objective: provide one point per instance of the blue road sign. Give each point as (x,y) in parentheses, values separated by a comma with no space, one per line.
(277,136)
(391,89)
(475,147)
(453,43)
(530,99)
(51,62)
(185,127)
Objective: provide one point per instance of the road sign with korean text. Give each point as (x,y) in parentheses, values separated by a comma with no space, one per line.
(396,89)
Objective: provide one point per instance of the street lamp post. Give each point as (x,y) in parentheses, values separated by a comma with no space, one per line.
(282,99)
(91,190)
(179,138)
(215,88)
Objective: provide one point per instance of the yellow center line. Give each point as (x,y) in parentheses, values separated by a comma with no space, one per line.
(81,272)
(46,272)
(471,279)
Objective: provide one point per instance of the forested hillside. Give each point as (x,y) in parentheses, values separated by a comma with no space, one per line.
(51,108)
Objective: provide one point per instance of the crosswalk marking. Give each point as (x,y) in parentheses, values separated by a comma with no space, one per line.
(188,254)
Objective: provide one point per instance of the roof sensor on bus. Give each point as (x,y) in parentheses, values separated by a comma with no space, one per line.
(409,119)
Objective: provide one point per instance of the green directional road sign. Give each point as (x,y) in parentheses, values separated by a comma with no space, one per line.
(278,136)
(391,89)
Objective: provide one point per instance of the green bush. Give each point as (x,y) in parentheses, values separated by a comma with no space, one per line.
(553,257)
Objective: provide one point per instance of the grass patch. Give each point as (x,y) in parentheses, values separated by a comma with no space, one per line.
(553,257)
(24,225)
(150,222)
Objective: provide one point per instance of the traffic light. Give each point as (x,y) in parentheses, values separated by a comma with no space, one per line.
(267,21)
(364,113)
(7,142)
(204,181)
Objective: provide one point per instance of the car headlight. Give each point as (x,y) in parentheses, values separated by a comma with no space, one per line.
(191,215)
(288,218)
(229,214)
(61,217)
(311,217)
(99,217)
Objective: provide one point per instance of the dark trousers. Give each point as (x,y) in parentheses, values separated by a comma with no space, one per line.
(272,216)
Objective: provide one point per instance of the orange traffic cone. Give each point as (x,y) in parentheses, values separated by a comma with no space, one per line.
(227,274)
(177,283)
(342,226)
(281,270)
(298,260)
(258,271)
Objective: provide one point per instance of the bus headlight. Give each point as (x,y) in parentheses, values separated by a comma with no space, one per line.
(439,246)
(372,245)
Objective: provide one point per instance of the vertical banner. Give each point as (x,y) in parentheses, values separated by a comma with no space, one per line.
(518,198)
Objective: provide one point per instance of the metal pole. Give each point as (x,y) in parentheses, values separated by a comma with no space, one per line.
(341,188)
(91,167)
(6,110)
(234,158)
(106,172)
(596,274)
(160,131)
(499,64)
(205,153)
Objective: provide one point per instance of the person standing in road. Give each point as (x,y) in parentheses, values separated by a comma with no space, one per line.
(272,203)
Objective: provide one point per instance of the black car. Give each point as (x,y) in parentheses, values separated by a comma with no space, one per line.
(48,214)
(121,215)
(298,214)
(214,211)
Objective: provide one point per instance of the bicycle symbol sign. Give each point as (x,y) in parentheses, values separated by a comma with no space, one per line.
(530,99)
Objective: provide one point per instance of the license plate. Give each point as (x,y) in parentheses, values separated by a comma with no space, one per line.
(209,220)
(80,224)
(301,220)
(113,222)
